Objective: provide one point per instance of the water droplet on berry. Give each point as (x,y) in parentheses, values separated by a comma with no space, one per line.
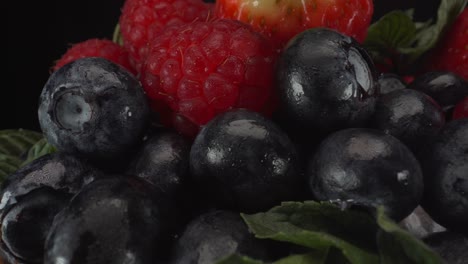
(402,177)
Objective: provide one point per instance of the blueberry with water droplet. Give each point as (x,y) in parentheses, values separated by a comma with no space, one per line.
(214,235)
(369,168)
(115,220)
(326,81)
(32,196)
(243,161)
(93,108)
(445,167)
(409,115)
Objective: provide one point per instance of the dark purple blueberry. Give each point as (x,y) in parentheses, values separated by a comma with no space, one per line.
(59,171)
(390,82)
(115,220)
(446,88)
(26,225)
(93,108)
(452,247)
(445,167)
(163,161)
(409,115)
(326,81)
(244,161)
(214,235)
(368,168)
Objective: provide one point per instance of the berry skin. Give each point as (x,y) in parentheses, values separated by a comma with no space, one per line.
(32,196)
(390,82)
(214,235)
(202,69)
(369,168)
(93,108)
(445,87)
(445,167)
(142,20)
(452,53)
(282,20)
(243,161)
(409,115)
(461,109)
(326,81)
(102,48)
(116,220)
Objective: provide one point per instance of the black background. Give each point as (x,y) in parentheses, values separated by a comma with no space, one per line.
(39,32)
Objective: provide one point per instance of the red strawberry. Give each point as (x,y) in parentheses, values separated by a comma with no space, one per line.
(96,48)
(204,68)
(283,19)
(452,53)
(141,20)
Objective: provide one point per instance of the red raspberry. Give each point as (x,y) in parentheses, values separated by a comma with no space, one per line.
(141,20)
(282,20)
(204,68)
(452,53)
(96,48)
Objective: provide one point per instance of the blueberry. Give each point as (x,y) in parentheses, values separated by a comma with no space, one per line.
(214,235)
(445,167)
(115,220)
(326,81)
(58,171)
(93,108)
(390,82)
(446,88)
(32,196)
(26,225)
(163,160)
(409,115)
(368,168)
(245,162)
(449,245)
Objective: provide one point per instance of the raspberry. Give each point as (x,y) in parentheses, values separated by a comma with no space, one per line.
(96,48)
(141,20)
(204,68)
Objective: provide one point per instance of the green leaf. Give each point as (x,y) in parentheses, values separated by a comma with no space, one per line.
(398,246)
(319,226)
(238,259)
(39,149)
(391,32)
(15,142)
(316,257)
(8,165)
(428,38)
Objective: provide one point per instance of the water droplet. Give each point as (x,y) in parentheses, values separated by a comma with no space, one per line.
(402,177)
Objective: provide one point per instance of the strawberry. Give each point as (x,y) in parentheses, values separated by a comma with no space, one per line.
(452,53)
(283,19)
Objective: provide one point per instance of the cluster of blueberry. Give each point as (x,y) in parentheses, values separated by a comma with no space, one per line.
(121,189)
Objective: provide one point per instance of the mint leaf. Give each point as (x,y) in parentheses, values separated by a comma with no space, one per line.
(8,165)
(15,142)
(398,246)
(238,259)
(428,38)
(393,31)
(319,226)
(39,149)
(316,257)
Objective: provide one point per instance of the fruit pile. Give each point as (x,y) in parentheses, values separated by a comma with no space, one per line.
(244,132)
